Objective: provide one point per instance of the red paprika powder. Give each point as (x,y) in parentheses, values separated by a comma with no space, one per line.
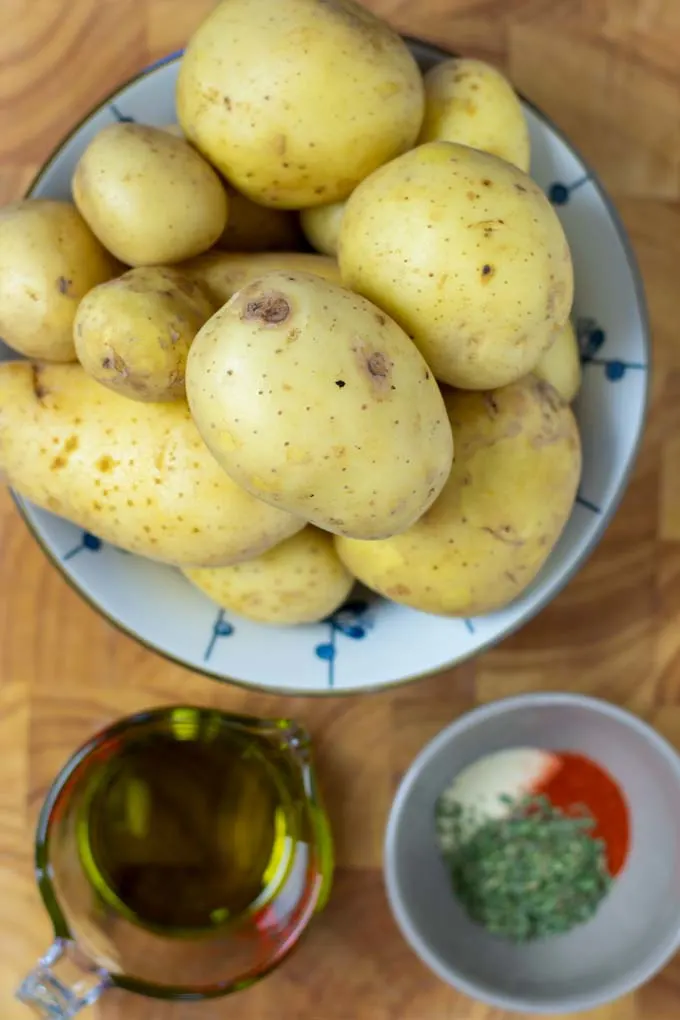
(581,781)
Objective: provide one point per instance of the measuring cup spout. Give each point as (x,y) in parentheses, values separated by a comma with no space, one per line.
(62,983)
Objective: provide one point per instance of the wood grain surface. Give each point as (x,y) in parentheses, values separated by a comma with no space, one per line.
(608,72)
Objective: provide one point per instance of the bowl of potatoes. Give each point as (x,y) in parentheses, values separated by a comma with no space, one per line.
(325,363)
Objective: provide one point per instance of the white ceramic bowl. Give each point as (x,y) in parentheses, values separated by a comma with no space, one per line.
(371,643)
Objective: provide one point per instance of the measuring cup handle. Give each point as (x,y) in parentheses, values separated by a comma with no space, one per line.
(60,985)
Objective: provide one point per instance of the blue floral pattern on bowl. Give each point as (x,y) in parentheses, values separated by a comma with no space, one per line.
(369,643)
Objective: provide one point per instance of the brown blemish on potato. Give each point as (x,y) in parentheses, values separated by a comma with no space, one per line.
(380,319)
(521,188)
(511,577)
(71,444)
(58,463)
(396,590)
(487,272)
(227,102)
(39,388)
(491,404)
(105,464)
(270,309)
(378,365)
(506,534)
(63,284)
(115,362)
(280,145)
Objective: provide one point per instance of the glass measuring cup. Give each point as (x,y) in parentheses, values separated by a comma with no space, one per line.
(180,854)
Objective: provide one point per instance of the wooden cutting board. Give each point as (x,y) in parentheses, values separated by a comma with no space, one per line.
(608,72)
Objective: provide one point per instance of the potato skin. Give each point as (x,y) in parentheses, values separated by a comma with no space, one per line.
(149,196)
(315,401)
(510,493)
(299,581)
(138,475)
(560,365)
(470,102)
(467,254)
(49,258)
(296,101)
(221,274)
(133,334)
(321,226)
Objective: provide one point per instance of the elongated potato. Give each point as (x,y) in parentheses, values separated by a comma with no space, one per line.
(317,402)
(299,581)
(148,195)
(133,334)
(321,225)
(138,475)
(561,364)
(49,258)
(221,274)
(468,256)
(470,102)
(510,493)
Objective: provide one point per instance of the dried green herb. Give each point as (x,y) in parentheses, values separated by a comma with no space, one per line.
(538,871)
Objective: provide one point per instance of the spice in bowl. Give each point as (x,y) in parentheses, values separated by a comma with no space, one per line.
(532,840)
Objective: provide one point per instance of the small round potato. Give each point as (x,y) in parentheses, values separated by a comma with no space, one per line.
(149,196)
(511,490)
(299,581)
(296,101)
(470,102)
(321,225)
(49,258)
(221,274)
(253,227)
(137,475)
(133,334)
(561,363)
(467,254)
(317,402)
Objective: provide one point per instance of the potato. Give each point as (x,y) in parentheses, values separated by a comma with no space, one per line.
(470,102)
(133,334)
(149,196)
(315,401)
(49,259)
(299,581)
(253,227)
(296,101)
(221,274)
(510,493)
(321,225)
(467,254)
(137,475)
(561,363)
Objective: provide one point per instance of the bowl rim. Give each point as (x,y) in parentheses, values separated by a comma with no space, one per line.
(574,1002)
(424,48)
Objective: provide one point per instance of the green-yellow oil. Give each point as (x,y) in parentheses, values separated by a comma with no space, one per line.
(187,830)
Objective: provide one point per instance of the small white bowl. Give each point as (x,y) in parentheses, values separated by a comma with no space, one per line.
(637,927)
(371,643)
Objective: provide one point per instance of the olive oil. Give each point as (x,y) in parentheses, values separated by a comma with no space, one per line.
(190,828)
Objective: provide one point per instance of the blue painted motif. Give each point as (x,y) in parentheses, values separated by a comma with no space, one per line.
(164,60)
(87,542)
(469,626)
(559,194)
(588,504)
(121,117)
(221,628)
(350,620)
(591,338)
